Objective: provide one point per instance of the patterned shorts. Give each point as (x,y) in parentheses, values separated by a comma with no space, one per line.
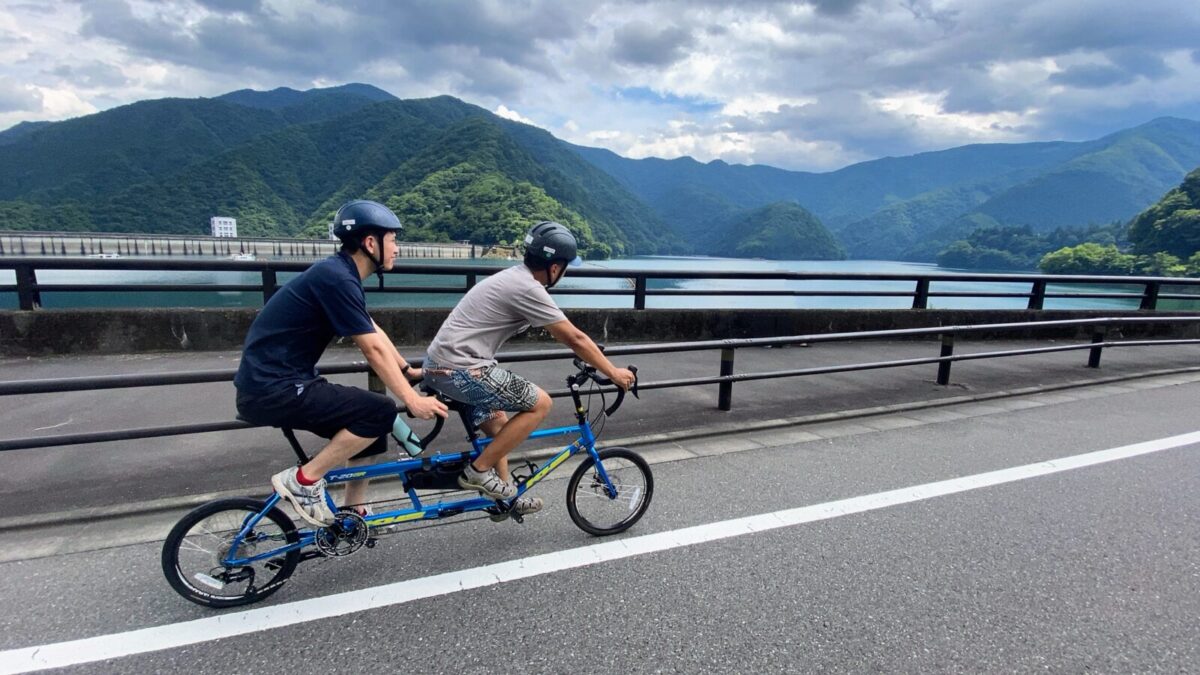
(487,390)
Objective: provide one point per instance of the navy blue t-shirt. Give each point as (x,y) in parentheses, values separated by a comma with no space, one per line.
(297,324)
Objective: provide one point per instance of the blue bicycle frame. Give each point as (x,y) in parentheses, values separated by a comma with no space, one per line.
(420,511)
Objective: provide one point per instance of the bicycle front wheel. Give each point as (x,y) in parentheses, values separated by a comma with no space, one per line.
(196,554)
(612,500)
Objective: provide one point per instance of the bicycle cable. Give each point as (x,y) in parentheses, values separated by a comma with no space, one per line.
(599,420)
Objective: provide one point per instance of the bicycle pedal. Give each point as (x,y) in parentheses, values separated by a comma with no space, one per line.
(371,541)
(497,514)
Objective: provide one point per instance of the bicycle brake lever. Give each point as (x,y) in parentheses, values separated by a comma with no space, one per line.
(634,389)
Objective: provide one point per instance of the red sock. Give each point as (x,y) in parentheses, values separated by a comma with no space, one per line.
(302,479)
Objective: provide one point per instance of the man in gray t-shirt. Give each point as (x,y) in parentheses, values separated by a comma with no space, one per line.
(461,359)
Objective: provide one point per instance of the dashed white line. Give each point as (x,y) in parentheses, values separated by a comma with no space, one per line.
(88,650)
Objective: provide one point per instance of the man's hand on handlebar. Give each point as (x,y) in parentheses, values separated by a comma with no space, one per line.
(623,378)
(425,407)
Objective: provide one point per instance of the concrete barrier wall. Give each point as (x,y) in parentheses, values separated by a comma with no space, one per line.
(123,331)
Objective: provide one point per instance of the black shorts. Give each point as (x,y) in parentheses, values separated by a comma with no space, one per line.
(324,408)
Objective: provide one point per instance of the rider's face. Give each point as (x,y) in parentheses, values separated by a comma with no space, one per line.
(390,250)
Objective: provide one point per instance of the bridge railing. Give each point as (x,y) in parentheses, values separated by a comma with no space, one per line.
(636,284)
(1098,327)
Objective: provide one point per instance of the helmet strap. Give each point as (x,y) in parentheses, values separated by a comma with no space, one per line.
(554,279)
(379,259)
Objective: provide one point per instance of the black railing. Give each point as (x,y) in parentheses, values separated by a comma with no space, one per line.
(1098,328)
(1146,291)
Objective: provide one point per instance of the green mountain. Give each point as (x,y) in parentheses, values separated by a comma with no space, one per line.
(19,131)
(779,231)
(282,161)
(1172,225)
(105,153)
(912,207)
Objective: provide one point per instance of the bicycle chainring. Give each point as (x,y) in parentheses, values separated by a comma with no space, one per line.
(342,538)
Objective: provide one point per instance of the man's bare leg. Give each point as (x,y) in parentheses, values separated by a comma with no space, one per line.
(307,499)
(340,448)
(356,491)
(492,427)
(514,432)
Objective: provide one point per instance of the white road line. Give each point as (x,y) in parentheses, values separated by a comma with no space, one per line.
(60,654)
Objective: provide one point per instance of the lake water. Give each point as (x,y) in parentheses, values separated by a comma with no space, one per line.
(201,298)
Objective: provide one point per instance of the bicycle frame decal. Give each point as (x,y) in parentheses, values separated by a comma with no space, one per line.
(561,457)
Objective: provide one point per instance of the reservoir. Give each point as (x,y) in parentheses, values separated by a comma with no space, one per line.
(203,298)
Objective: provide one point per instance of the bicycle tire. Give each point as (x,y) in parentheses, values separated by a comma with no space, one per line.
(604,514)
(185,547)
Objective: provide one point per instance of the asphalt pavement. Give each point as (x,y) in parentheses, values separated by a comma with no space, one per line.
(963,536)
(85,481)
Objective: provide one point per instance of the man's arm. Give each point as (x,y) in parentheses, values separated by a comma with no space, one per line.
(565,332)
(412,374)
(386,362)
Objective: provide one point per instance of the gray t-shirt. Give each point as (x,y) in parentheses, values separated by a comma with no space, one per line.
(489,314)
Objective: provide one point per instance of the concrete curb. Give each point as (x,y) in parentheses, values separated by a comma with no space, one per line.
(101,513)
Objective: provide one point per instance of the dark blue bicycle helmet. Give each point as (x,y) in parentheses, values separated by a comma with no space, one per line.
(363,215)
(363,218)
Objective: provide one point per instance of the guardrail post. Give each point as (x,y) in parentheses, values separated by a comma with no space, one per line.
(639,292)
(725,389)
(28,296)
(1094,352)
(921,296)
(268,284)
(374,383)
(1037,295)
(471,280)
(943,376)
(1150,297)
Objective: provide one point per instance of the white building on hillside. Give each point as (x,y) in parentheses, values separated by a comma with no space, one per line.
(223,227)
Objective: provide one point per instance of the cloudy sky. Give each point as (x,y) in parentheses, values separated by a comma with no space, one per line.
(812,85)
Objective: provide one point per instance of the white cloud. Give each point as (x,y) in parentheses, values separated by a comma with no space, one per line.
(806,85)
(503,111)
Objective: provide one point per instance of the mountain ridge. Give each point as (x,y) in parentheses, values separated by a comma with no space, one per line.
(281,161)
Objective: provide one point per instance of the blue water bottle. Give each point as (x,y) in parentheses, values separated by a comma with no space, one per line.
(406,437)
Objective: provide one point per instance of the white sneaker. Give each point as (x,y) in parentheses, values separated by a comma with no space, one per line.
(308,500)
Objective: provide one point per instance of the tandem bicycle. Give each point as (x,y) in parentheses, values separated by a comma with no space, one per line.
(238,551)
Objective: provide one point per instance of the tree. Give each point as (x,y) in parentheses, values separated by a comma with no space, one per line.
(1088,258)
(1171,225)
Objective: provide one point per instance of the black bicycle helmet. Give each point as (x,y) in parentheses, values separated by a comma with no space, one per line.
(550,242)
(362,218)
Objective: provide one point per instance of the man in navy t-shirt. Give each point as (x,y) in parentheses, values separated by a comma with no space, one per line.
(277,381)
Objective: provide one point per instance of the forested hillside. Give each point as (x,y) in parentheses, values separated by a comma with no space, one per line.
(1164,240)
(913,207)
(282,161)
(779,231)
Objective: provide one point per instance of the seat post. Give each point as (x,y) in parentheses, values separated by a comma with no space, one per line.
(296,447)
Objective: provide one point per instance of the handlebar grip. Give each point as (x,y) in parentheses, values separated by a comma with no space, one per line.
(621,393)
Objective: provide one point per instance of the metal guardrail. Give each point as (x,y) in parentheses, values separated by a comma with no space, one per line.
(29,290)
(724,380)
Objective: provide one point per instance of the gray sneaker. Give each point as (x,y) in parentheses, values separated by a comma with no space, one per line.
(488,483)
(308,500)
(524,506)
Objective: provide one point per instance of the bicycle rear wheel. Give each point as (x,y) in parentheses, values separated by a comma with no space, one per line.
(195,553)
(599,510)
